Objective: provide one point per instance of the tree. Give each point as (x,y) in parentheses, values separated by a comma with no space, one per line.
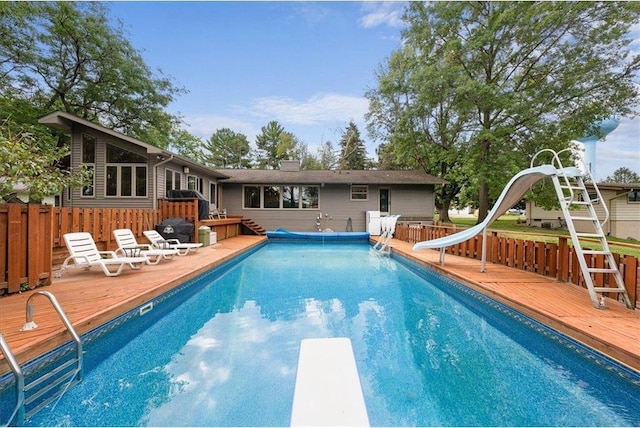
(422,120)
(353,152)
(327,155)
(65,56)
(521,76)
(275,144)
(28,159)
(228,149)
(187,145)
(623,175)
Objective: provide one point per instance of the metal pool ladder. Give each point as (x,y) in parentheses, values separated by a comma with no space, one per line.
(572,193)
(56,377)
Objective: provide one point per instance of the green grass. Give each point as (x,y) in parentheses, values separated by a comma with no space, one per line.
(508,225)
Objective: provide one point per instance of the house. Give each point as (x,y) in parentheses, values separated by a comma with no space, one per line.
(129,173)
(312,200)
(621,200)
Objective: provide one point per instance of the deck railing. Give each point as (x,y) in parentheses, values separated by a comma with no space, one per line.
(549,259)
(31,236)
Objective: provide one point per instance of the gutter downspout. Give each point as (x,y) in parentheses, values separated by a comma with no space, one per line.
(155,180)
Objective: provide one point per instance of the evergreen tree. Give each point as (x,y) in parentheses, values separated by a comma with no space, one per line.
(353,153)
(228,149)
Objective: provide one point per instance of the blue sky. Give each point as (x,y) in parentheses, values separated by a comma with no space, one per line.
(306,65)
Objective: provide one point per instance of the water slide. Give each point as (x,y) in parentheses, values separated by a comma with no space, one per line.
(513,192)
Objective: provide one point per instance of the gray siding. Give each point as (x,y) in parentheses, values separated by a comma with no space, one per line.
(335,207)
(99,200)
(155,186)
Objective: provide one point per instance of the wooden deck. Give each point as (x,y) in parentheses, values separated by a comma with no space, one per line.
(91,299)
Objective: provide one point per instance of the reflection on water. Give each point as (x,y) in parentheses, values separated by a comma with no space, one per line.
(227,356)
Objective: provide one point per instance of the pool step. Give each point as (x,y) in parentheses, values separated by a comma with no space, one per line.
(328,391)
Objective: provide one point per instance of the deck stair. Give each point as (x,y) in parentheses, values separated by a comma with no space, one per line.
(572,194)
(253,226)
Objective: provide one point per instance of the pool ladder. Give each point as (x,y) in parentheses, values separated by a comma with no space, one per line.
(57,376)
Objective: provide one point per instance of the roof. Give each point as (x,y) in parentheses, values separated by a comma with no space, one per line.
(64,121)
(274,176)
(616,186)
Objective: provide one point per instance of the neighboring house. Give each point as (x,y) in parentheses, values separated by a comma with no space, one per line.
(129,173)
(622,201)
(21,194)
(295,199)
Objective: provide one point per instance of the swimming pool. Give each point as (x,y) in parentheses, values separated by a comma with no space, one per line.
(223,351)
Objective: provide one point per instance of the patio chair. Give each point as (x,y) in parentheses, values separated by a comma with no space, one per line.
(128,246)
(83,253)
(183,248)
(215,212)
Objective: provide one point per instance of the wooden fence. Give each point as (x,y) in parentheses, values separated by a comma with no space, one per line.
(549,259)
(25,246)
(31,236)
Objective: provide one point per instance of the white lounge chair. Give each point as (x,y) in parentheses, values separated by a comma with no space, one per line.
(183,248)
(128,246)
(215,212)
(83,253)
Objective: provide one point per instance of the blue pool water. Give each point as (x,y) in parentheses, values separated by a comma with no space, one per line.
(223,351)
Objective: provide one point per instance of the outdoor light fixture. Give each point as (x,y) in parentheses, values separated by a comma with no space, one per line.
(185,169)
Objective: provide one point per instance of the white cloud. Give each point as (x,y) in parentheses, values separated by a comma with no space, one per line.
(204,126)
(317,109)
(620,149)
(316,119)
(382,13)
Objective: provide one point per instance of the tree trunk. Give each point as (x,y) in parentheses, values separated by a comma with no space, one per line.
(444,211)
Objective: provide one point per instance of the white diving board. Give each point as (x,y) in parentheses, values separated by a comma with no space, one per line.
(328,390)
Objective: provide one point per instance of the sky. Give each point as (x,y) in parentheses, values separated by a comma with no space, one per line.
(306,65)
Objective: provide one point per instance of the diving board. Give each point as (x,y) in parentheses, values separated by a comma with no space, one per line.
(328,391)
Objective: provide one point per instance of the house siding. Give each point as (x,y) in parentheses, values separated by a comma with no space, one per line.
(335,206)
(99,200)
(624,221)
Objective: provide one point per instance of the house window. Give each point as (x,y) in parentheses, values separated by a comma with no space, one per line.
(194,183)
(251,197)
(593,197)
(126,173)
(633,196)
(172,180)
(271,196)
(212,193)
(310,196)
(359,193)
(290,197)
(281,197)
(89,160)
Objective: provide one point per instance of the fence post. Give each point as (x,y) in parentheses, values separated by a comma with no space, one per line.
(563,259)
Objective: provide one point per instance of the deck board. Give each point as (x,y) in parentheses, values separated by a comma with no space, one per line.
(90,299)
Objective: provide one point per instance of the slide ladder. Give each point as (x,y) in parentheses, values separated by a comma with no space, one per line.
(572,194)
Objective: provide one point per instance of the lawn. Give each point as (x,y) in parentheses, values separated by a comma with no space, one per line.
(509,226)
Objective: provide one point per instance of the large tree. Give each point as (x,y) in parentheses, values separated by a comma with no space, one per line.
(228,149)
(275,144)
(521,76)
(66,56)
